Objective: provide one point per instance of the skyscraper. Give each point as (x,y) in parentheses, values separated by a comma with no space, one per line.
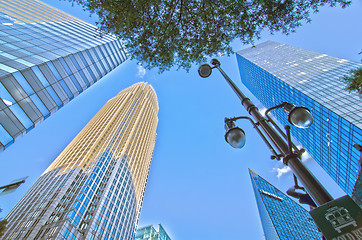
(47,58)
(276,72)
(150,233)
(94,189)
(281,217)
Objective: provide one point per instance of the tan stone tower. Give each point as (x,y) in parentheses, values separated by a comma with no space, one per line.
(94,189)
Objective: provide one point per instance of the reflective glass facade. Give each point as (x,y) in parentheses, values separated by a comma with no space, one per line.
(281,217)
(47,58)
(276,72)
(94,189)
(150,233)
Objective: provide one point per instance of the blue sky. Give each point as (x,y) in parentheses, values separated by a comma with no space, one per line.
(198,187)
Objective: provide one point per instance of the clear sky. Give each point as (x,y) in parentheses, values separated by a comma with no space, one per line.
(198,187)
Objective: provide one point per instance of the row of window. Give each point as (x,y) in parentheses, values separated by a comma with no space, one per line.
(27,213)
(33,9)
(69,85)
(46,41)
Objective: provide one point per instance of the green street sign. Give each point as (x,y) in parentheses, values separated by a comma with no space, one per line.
(340,219)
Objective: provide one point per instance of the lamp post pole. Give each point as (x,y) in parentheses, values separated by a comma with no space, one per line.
(311,184)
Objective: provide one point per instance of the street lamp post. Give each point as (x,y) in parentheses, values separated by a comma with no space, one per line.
(298,116)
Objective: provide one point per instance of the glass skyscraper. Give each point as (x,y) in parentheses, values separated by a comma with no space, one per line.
(276,72)
(281,217)
(150,233)
(47,58)
(94,189)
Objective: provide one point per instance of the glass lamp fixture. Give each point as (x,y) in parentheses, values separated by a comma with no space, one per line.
(235,136)
(298,116)
(205,70)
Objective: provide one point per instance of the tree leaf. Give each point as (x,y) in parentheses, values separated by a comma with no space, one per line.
(168,33)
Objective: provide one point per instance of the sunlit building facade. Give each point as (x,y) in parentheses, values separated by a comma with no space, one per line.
(276,72)
(281,217)
(47,58)
(94,189)
(150,233)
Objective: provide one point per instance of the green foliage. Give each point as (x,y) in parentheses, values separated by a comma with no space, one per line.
(354,80)
(3,226)
(166,33)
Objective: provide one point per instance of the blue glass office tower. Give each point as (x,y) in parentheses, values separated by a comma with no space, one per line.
(276,72)
(47,58)
(150,233)
(281,217)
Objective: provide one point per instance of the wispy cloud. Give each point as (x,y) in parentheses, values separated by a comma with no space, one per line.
(141,71)
(281,169)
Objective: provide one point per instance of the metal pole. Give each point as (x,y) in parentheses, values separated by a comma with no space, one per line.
(311,184)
